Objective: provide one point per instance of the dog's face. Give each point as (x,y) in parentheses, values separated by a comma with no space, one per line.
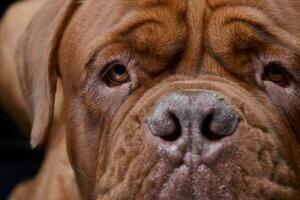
(183,99)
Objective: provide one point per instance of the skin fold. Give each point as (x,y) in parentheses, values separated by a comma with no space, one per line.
(203,114)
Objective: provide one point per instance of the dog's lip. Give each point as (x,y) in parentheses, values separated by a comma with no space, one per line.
(189,172)
(187,182)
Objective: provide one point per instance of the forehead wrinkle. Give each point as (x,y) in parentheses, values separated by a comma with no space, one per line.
(172,46)
(151,15)
(195,23)
(94,54)
(135,17)
(135,26)
(164,45)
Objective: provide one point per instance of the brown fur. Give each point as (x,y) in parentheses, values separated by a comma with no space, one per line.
(98,133)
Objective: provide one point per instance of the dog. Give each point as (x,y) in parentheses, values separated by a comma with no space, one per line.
(156,99)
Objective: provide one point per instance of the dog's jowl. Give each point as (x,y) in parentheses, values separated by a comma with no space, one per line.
(156,99)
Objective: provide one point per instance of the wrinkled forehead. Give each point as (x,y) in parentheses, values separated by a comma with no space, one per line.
(124,16)
(98,16)
(161,28)
(156,27)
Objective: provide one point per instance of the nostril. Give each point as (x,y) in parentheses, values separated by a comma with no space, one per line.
(206,129)
(176,132)
(165,125)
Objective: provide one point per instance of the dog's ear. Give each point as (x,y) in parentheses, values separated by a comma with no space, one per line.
(37,63)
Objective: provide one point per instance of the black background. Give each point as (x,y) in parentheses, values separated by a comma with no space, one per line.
(4,4)
(17,161)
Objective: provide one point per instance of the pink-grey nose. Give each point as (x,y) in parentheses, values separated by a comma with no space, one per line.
(203,113)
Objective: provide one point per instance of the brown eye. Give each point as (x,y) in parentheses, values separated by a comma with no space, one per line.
(117,74)
(276,74)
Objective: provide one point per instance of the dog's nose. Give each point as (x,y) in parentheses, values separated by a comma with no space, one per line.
(205,114)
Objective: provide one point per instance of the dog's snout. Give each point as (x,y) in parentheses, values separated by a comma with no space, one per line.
(204,114)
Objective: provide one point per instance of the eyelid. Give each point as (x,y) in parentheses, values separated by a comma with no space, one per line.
(106,68)
(107,53)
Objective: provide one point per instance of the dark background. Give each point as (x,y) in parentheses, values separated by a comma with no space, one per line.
(17,161)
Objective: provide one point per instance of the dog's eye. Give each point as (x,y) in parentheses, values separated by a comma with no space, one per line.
(274,72)
(117,74)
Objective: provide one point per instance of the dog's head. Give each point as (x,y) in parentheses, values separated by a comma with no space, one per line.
(171,99)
